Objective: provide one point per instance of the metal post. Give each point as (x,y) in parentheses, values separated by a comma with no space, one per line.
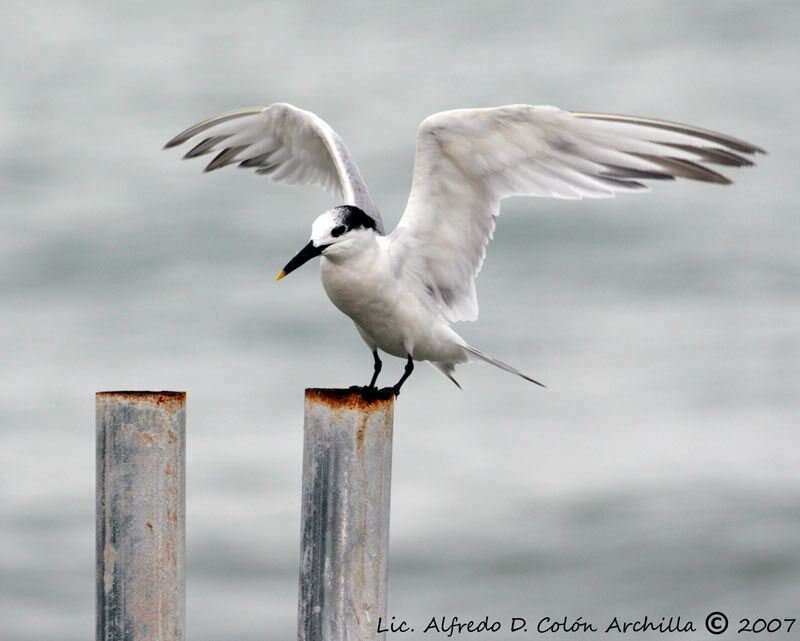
(344,549)
(141,497)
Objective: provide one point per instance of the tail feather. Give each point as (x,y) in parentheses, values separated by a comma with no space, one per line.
(447,369)
(479,355)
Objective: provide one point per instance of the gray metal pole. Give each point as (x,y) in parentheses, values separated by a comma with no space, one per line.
(344,549)
(141,498)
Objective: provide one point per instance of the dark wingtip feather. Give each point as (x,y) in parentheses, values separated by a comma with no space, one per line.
(206,124)
(174,142)
(714,156)
(625,184)
(685,169)
(204,147)
(706,134)
(617,171)
(181,137)
(258,161)
(225,157)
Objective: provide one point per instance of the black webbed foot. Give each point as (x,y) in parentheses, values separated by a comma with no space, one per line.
(366,392)
(385,393)
(370,394)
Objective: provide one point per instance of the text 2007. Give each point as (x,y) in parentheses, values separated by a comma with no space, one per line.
(762,625)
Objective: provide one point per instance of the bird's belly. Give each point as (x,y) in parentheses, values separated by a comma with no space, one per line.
(369,298)
(389,317)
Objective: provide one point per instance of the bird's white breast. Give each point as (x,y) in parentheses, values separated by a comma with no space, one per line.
(361,285)
(388,314)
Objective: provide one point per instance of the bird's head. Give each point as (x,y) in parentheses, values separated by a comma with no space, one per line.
(336,233)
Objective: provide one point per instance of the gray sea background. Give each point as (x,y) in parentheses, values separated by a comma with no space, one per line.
(659,473)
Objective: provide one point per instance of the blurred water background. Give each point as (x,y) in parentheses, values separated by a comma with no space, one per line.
(658,475)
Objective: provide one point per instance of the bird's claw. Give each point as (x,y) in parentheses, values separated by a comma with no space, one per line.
(370,394)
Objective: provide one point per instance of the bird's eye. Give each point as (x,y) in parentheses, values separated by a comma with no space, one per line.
(338,231)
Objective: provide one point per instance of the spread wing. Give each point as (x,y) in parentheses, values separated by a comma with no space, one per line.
(287,144)
(467,160)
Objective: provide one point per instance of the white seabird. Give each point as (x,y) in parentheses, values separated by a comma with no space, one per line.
(402,290)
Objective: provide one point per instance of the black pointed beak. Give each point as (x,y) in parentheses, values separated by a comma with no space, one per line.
(303,256)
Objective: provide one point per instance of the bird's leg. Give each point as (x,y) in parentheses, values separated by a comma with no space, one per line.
(377,371)
(370,392)
(406,374)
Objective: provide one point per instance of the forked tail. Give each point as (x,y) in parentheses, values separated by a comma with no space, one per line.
(479,355)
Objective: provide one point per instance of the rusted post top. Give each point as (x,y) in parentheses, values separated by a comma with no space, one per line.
(140,516)
(169,401)
(346,399)
(344,550)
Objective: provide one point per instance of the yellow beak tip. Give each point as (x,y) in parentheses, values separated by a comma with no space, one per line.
(281,275)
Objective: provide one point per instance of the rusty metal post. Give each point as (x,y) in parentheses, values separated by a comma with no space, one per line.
(344,549)
(141,497)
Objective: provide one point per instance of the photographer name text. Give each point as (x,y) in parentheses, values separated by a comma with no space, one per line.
(716,623)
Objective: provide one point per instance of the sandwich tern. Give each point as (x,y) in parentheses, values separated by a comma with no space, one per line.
(402,290)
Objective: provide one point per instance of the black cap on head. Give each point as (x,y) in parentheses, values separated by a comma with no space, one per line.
(353,217)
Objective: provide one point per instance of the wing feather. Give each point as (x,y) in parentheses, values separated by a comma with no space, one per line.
(468,160)
(286,144)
